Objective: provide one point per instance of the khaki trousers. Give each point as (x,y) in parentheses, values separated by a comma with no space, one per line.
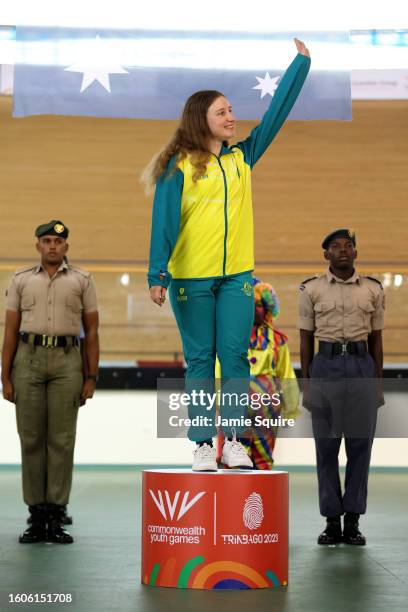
(47,385)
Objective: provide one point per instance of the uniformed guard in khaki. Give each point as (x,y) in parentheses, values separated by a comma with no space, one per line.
(338,310)
(344,311)
(49,307)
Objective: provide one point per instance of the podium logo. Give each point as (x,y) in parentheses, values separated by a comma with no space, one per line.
(253,511)
(171,504)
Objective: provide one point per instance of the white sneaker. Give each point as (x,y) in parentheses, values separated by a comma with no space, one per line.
(234,454)
(205,459)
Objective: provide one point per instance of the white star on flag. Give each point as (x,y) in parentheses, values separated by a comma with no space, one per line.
(267,85)
(98,65)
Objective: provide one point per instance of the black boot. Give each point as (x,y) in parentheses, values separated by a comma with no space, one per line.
(66,519)
(55,531)
(37,531)
(351,533)
(332,534)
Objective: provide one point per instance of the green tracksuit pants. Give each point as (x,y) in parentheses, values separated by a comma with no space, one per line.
(215,317)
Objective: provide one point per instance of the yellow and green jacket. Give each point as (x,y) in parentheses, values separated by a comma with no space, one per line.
(205,229)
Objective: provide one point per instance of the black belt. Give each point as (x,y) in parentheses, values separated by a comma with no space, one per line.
(341,348)
(49,341)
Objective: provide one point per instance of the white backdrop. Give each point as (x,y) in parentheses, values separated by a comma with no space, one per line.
(119,427)
(318,15)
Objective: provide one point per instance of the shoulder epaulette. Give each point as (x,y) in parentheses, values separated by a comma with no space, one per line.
(307,280)
(25,270)
(83,272)
(375,280)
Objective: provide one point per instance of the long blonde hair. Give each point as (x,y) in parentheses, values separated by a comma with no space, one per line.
(190,138)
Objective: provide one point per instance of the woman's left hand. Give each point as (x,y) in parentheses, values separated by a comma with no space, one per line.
(301,47)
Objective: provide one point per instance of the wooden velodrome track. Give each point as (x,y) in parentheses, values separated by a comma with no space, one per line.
(315,177)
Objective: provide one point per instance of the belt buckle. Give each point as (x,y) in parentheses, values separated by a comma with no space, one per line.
(344,348)
(51,341)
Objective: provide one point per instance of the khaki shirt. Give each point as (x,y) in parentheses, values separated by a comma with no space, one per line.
(52,306)
(338,310)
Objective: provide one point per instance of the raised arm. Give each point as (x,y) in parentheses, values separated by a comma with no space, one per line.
(281,105)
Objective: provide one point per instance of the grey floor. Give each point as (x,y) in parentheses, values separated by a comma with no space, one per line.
(102,568)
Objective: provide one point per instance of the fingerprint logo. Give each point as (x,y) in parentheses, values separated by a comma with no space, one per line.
(253,511)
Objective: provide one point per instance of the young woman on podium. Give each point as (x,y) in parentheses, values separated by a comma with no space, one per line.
(202,245)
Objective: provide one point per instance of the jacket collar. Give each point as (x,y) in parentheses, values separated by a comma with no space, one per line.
(335,279)
(224,149)
(63,266)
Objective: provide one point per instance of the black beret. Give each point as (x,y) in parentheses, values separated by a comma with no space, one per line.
(339,233)
(53,228)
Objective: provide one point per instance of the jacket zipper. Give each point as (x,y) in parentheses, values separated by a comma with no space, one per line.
(224,263)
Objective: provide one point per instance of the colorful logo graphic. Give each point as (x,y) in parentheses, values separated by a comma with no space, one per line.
(198,573)
(253,513)
(171,504)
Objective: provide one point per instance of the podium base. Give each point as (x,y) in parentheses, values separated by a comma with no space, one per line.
(215,530)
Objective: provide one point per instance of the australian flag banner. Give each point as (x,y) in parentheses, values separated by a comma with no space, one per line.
(148,74)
